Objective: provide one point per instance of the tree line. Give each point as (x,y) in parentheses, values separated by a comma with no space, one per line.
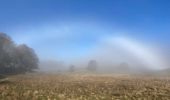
(93,67)
(15,58)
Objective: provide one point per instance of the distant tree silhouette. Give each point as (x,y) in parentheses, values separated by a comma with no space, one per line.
(92,65)
(16,59)
(123,67)
(72,68)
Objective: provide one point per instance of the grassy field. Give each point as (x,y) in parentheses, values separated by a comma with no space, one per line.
(84,87)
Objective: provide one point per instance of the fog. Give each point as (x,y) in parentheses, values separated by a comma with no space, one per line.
(76,43)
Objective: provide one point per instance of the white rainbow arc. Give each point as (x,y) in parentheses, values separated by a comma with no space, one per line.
(140,51)
(146,55)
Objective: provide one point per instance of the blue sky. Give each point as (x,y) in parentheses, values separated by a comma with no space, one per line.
(72,28)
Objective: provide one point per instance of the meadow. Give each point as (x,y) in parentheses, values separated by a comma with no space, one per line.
(84,87)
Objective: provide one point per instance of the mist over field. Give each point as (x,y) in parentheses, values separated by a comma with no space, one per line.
(75,36)
(76,42)
(84,50)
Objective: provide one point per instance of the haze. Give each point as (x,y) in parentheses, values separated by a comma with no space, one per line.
(66,32)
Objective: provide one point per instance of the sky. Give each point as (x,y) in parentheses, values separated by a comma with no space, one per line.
(77,29)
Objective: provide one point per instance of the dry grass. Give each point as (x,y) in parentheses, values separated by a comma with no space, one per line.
(84,87)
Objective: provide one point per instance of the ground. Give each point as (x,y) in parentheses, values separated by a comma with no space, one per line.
(84,87)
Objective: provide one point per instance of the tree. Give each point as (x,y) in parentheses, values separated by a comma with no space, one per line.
(16,59)
(27,59)
(123,67)
(6,50)
(72,68)
(92,65)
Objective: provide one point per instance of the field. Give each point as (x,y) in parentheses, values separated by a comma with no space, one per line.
(84,87)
